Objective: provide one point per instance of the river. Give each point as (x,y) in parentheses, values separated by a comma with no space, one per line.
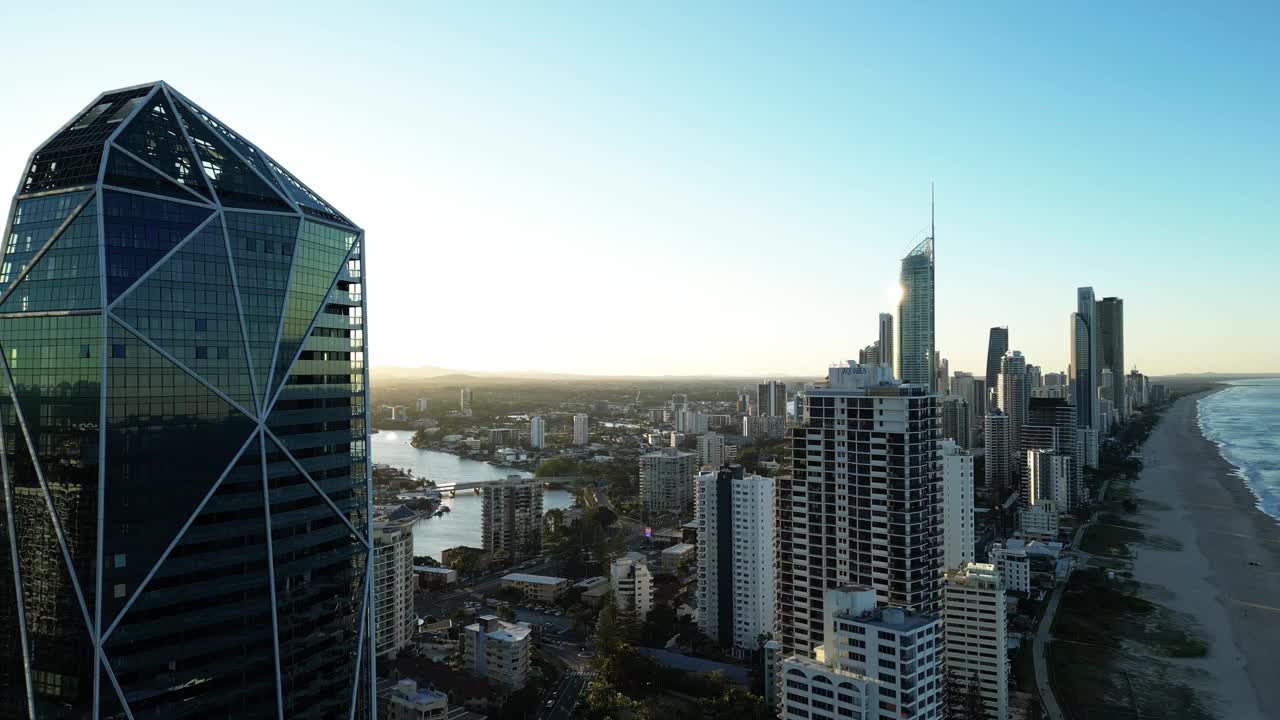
(460,526)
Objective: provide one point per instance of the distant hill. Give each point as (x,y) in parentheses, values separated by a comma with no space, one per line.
(437,375)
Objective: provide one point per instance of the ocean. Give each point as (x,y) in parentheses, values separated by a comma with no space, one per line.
(460,526)
(1244,420)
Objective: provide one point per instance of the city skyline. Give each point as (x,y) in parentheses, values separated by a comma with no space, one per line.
(585,147)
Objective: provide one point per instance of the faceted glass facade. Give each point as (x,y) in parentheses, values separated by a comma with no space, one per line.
(915,316)
(184,511)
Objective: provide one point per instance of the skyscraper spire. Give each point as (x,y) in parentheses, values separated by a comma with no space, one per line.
(931,226)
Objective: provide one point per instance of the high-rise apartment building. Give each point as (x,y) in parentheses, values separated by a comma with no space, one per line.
(1084,359)
(874,663)
(537,432)
(184,494)
(1051,425)
(955,421)
(464,401)
(916,316)
(863,500)
(957,505)
(974,391)
(511,517)
(666,480)
(999,470)
(581,429)
(1049,477)
(870,355)
(885,339)
(1012,397)
(713,450)
(735,557)
(941,374)
(1110,313)
(997,346)
(771,398)
(393,584)
(976,631)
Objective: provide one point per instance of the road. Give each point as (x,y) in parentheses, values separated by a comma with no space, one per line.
(564,698)
(1052,710)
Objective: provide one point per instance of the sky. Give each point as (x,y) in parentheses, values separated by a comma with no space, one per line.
(726,188)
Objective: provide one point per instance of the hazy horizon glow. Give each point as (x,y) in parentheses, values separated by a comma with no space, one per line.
(722,190)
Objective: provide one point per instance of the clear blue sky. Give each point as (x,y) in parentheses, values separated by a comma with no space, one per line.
(726,188)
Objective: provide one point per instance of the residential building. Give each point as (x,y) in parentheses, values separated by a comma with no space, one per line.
(1051,425)
(1110,314)
(974,391)
(997,346)
(1050,477)
(1084,359)
(1013,565)
(666,480)
(511,518)
(692,421)
(885,347)
(632,586)
(393,584)
(142,463)
(1087,438)
(976,631)
(955,421)
(1039,521)
(424,405)
(999,471)
(464,401)
(712,450)
(771,653)
(916,315)
(863,501)
(581,434)
(735,557)
(771,398)
(1012,398)
(941,374)
(404,700)
(537,588)
(674,555)
(870,355)
(537,432)
(769,427)
(957,505)
(497,650)
(874,662)
(503,437)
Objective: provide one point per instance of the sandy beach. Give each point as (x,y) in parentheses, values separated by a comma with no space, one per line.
(1193,496)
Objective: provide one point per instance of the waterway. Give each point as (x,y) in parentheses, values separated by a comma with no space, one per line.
(461,525)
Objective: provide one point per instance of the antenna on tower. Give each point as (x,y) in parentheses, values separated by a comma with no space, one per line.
(931,227)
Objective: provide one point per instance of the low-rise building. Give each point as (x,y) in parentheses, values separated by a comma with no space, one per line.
(404,700)
(539,588)
(435,578)
(497,650)
(672,556)
(1039,522)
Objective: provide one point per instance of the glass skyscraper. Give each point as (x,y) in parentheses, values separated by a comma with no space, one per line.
(915,316)
(184,522)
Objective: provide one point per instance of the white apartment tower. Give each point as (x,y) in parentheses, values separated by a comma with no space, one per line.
(465,401)
(498,650)
(874,663)
(511,517)
(537,432)
(1012,396)
(735,557)
(1049,477)
(977,635)
(862,503)
(712,449)
(666,480)
(957,505)
(393,584)
(886,339)
(632,586)
(581,434)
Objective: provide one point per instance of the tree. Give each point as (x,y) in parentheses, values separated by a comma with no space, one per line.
(506,613)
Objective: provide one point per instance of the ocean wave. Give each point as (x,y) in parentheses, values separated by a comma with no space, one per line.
(1243,420)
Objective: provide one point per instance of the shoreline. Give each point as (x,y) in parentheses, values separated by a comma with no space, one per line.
(1210,528)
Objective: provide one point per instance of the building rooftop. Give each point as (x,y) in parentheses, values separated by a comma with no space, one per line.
(679,549)
(533,579)
(592,582)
